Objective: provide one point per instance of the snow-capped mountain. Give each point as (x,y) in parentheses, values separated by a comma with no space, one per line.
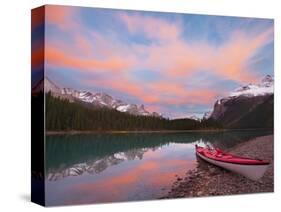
(50,86)
(194,117)
(134,109)
(245,104)
(101,99)
(96,99)
(47,85)
(207,115)
(263,88)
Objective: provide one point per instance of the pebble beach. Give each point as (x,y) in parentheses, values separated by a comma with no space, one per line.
(209,180)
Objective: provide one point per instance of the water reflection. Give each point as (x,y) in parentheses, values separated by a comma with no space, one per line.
(95,166)
(123,167)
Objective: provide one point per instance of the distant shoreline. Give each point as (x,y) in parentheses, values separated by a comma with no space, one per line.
(74,132)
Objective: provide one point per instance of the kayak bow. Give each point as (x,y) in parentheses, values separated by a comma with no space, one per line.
(251,168)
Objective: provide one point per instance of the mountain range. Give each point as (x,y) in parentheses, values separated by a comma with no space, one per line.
(97,165)
(98,99)
(249,106)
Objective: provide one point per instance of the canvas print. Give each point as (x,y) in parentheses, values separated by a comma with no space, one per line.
(137,105)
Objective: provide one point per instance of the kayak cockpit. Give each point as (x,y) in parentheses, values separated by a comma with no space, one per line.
(218,154)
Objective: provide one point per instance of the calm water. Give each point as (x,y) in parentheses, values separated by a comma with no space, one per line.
(122,167)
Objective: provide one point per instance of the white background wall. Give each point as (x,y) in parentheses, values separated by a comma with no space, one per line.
(15,103)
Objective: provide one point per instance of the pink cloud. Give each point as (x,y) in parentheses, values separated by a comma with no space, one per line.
(60,58)
(179,58)
(152,28)
(61,16)
(231,60)
(169,54)
(158,93)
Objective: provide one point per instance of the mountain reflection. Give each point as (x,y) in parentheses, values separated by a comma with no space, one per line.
(96,166)
(75,155)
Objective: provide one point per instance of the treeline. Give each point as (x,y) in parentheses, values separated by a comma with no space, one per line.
(62,115)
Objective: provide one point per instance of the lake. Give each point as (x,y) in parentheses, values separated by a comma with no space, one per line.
(97,168)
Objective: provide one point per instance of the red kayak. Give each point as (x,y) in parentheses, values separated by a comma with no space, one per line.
(251,168)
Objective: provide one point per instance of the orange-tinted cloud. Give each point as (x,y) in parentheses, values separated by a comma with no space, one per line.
(159,93)
(179,58)
(120,84)
(61,16)
(231,60)
(57,57)
(83,45)
(169,54)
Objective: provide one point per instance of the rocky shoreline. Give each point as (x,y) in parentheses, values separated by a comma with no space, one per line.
(209,180)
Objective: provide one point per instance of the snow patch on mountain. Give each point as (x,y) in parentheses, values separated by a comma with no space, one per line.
(244,93)
(207,115)
(123,108)
(194,117)
(97,99)
(263,88)
(50,86)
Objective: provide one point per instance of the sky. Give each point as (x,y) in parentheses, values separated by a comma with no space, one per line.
(175,64)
